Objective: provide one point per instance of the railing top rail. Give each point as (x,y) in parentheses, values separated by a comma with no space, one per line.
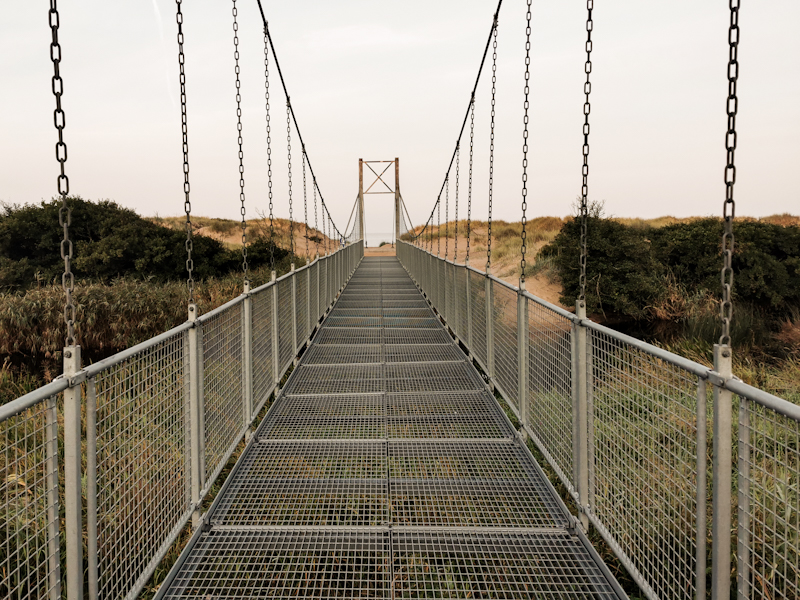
(765,399)
(100,366)
(33,398)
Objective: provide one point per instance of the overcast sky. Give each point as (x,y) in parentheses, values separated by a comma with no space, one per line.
(383,79)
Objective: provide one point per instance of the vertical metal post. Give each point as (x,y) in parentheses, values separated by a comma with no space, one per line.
(522,356)
(72,475)
(743,540)
(309,322)
(489,291)
(702,490)
(91,487)
(195,409)
(276,359)
(294,313)
(396,198)
(361,196)
(469,308)
(53,520)
(722,463)
(247,355)
(580,421)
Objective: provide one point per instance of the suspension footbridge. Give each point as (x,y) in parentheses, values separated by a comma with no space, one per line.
(362,427)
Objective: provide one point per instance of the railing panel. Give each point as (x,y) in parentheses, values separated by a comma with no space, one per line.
(313,298)
(323,287)
(550,410)
(223,398)
(285,324)
(301,308)
(477,291)
(142,462)
(769,503)
(644,469)
(263,377)
(29,488)
(504,314)
(461,302)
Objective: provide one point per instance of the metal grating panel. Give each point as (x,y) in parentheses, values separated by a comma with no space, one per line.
(314,483)
(340,311)
(402,353)
(432,377)
(342,354)
(357,405)
(286,564)
(411,322)
(416,336)
(337,321)
(344,335)
(468,426)
(494,565)
(441,404)
(344,379)
(410,303)
(405,313)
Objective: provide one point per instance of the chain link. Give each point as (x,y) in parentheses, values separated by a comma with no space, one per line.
(458,165)
(525,144)
(305,200)
(729,207)
(64,212)
(587,109)
(471,155)
(491,151)
(269,153)
(438,227)
(289,156)
(235,13)
(187,205)
(447,216)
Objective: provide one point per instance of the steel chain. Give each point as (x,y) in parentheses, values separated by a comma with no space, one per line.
(64,212)
(269,152)
(447,216)
(289,158)
(458,166)
(491,152)
(438,227)
(471,155)
(316,220)
(235,13)
(525,143)
(587,109)
(305,200)
(729,207)
(187,205)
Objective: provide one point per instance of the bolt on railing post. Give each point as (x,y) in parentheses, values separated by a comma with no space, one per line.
(489,292)
(276,359)
(580,420)
(722,463)
(72,475)
(247,356)
(91,487)
(196,433)
(522,357)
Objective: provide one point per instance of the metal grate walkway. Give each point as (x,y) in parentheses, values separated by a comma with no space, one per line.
(386,469)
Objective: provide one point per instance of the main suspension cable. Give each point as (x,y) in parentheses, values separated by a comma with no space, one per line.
(729,207)
(235,12)
(64,212)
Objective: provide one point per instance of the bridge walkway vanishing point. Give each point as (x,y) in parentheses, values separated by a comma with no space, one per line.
(386,469)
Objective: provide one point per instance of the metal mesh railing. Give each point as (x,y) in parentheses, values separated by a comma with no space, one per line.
(223,402)
(477,290)
(142,462)
(504,318)
(29,489)
(263,373)
(550,408)
(769,501)
(644,467)
(301,308)
(285,323)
